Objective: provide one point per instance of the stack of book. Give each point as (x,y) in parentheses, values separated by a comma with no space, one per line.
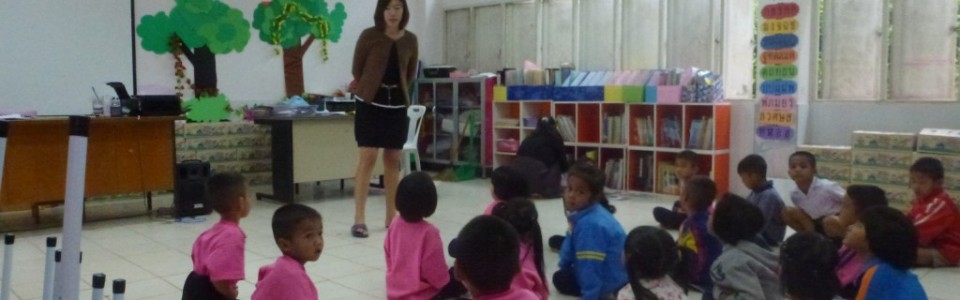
(612,129)
(670,132)
(614,172)
(567,128)
(667,181)
(645,134)
(701,134)
(644,180)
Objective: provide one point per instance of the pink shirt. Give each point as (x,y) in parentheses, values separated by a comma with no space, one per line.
(218,252)
(850,266)
(489,210)
(511,294)
(284,279)
(416,265)
(529,278)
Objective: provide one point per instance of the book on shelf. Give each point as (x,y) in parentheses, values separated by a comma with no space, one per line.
(612,129)
(670,133)
(644,181)
(644,131)
(567,128)
(701,134)
(667,181)
(613,169)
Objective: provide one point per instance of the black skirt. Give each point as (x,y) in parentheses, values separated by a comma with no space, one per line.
(380,127)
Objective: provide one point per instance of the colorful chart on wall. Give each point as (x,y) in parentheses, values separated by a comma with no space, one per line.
(777,109)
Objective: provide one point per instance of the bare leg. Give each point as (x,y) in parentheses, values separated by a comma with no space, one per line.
(365,163)
(832,227)
(797,219)
(391,177)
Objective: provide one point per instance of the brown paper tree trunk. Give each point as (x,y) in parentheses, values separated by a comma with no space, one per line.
(293,67)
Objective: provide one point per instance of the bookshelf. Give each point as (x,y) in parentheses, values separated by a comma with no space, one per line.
(635,143)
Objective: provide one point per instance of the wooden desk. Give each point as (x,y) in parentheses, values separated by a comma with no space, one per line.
(311,149)
(125,155)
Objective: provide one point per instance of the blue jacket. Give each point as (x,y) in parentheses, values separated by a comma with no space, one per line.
(883,281)
(594,249)
(768,200)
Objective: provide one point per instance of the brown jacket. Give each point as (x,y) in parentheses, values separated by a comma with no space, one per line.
(370,61)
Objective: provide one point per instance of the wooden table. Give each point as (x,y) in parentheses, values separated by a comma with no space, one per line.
(125,155)
(311,149)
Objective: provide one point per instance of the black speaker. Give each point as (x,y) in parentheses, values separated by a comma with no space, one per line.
(190,198)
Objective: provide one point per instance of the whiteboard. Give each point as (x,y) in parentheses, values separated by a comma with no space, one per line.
(52,52)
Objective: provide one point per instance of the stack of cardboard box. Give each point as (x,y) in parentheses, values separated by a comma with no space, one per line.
(833,162)
(884,159)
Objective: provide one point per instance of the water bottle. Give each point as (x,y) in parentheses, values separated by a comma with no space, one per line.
(97,107)
(116,110)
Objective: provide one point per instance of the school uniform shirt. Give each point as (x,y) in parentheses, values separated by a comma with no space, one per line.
(746,271)
(821,200)
(493,204)
(938,224)
(883,281)
(849,268)
(511,294)
(284,279)
(594,249)
(529,278)
(416,266)
(218,252)
(705,246)
(768,200)
(664,288)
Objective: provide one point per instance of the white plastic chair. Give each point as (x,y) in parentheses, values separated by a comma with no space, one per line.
(415,114)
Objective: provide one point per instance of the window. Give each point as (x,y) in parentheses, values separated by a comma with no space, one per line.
(888,50)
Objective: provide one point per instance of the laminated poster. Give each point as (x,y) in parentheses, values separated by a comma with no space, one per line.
(777,108)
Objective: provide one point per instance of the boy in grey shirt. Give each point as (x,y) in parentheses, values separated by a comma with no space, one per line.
(753,173)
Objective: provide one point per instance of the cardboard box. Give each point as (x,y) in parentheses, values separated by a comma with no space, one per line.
(882,158)
(939,141)
(951,181)
(839,173)
(891,141)
(828,154)
(880,176)
(898,196)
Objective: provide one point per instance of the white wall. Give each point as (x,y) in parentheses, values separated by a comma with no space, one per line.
(255,75)
(52,52)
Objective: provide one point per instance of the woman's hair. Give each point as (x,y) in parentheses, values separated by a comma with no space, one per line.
(892,237)
(807,267)
(522,215)
(587,171)
(866,196)
(509,183)
(416,197)
(650,253)
(547,126)
(378,16)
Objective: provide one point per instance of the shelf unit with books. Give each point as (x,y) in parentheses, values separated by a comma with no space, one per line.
(636,143)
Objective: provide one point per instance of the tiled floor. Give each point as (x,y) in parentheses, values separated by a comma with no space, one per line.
(153,254)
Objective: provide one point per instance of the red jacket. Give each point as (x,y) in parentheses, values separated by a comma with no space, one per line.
(938,224)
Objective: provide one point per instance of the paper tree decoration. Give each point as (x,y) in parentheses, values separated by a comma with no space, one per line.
(208,109)
(294,25)
(205,28)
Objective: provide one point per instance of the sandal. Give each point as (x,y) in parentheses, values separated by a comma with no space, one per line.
(359,231)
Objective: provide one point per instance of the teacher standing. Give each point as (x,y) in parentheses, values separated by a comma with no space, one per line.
(384,62)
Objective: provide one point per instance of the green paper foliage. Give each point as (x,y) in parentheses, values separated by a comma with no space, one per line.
(198,23)
(207,109)
(295,26)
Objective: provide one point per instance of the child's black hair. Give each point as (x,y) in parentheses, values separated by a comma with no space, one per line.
(892,237)
(807,155)
(650,253)
(416,197)
(928,166)
(752,164)
(687,156)
(866,196)
(587,171)
(808,264)
(487,253)
(522,214)
(223,190)
(286,218)
(735,219)
(509,183)
(700,191)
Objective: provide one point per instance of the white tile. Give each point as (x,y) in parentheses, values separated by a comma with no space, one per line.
(350,252)
(329,267)
(372,283)
(165,263)
(942,283)
(145,289)
(334,291)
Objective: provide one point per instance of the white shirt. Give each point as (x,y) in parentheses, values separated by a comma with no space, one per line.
(665,289)
(821,200)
